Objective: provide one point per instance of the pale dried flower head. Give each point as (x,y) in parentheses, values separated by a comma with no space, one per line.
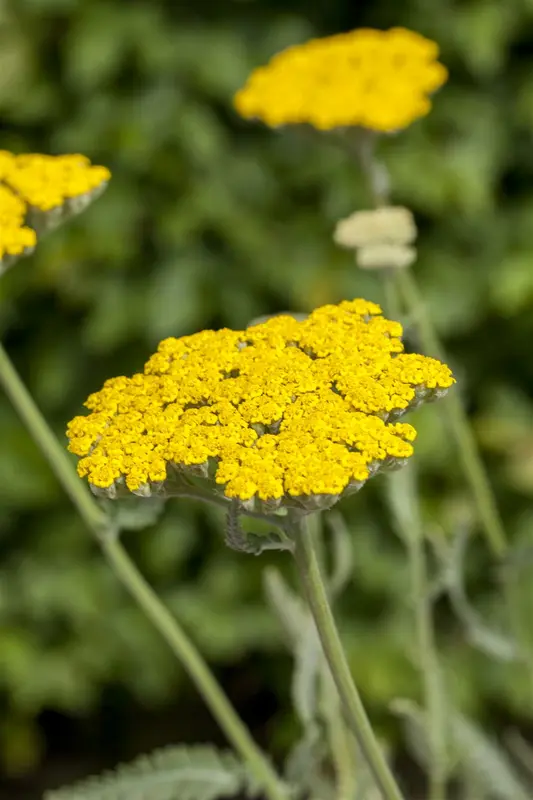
(386,256)
(385,225)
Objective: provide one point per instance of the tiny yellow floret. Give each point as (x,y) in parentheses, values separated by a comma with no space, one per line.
(32,186)
(283,410)
(45,182)
(15,237)
(379,80)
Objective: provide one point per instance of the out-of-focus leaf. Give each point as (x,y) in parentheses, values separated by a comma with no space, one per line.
(94,47)
(490,764)
(191,773)
(175,298)
(342,553)
(512,288)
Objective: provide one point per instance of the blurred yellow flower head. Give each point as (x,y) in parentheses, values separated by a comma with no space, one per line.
(285,411)
(15,237)
(39,191)
(380,80)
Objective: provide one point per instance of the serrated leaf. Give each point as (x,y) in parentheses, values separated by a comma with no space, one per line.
(174,773)
(403,504)
(307,661)
(302,768)
(521,750)
(488,763)
(288,607)
(475,755)
(303,641)
(342,553)
(494,643)
(415,728)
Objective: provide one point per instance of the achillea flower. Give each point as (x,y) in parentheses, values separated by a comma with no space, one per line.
(379,80)
(15,238)
(383,225)
(285,412)
(381,237)
(39,191)
(385,256)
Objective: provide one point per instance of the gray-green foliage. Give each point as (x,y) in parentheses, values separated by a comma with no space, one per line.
(325,762)
(212,221)
(175,773)
(478,761)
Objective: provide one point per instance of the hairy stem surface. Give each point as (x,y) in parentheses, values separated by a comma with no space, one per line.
(308,567)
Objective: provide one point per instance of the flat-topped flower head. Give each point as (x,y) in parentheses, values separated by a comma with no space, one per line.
(16,238)
(38,192)
(379,80)
(286,412)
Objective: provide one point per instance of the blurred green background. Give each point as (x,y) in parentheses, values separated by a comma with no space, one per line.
(211,221)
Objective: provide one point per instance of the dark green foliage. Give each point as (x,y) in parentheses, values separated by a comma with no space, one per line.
(210,221)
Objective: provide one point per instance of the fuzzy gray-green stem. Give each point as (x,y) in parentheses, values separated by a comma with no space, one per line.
(135,583)
(475,472)
(341,741)
(315,591)
(406,511)
(404,504)
(458,420)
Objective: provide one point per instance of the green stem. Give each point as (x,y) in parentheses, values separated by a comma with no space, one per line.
(135,583)
(458,420)
(405,509)
(308,568)
(406,512)
(429,668)
(56,456)
(195,665)
(375,173)
(341,743)
(196,493)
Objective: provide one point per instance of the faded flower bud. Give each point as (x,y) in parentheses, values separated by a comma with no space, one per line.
(385,256)
(393,225)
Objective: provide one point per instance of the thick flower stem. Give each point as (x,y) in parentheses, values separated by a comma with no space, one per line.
(136,585)
(341,740)
(315,591)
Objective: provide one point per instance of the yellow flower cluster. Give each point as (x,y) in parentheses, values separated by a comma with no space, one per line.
(15,237)
(45,182)
(380,80)
(281,411)
(33,184)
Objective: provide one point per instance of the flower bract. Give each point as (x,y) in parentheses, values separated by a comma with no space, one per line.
(283,412)
(379,80)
